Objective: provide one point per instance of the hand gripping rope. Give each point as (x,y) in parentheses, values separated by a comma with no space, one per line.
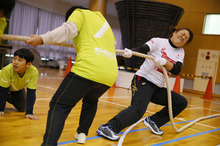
(24,38)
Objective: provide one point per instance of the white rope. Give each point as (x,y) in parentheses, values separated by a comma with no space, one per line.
(24,38)
(126,132)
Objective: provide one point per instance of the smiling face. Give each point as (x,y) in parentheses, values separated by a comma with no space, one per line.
(19,65)
(180,37)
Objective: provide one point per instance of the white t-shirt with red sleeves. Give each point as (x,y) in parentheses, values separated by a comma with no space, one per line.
(159,47)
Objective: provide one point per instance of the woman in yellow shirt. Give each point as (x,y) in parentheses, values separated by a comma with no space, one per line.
(94,72)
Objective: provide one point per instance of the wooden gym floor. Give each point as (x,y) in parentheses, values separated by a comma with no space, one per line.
(15,130)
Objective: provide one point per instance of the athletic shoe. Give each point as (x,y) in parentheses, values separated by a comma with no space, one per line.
(149,123)
(81,138)
(107,132)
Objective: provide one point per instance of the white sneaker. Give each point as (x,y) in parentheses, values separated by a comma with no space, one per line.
(81,138)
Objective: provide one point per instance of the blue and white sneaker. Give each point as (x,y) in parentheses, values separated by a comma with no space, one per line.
(149,123)
(107,132)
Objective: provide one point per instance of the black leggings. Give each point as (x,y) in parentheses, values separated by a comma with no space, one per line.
(72,89)
(143,92)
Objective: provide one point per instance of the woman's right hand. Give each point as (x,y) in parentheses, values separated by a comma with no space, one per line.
(35,40)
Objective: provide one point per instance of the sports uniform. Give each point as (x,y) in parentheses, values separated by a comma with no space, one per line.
(159,47)
(148,85)
(93,73)
(12,88)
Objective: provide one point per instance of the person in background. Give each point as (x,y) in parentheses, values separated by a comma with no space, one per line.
(94,72)
(6,7)
(148,85)
(13,80)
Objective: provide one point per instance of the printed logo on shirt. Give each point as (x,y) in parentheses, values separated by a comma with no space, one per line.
(151,41)
(160,70)
(105,53)
(164,55)
(163,51)
(178,56)
(4,80)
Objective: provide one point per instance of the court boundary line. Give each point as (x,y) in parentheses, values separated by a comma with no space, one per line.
(136,130)
(96,137)
(185,137)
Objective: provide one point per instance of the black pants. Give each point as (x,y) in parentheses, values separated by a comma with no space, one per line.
(72,89)
(143,92)
(18,99)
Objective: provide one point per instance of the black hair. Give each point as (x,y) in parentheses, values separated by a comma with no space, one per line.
(70,11)
(25,53)
(7,6)
(190,34)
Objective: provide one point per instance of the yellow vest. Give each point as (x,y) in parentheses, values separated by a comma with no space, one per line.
(96,59)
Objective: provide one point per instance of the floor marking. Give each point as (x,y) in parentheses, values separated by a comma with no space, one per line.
(113,103)
(120,105)
(205,108)
(136,130)
(193,108)
(197,107)
(51,78)
(189,96)
(127,131)
(125,106)
(47,87)
(185,137)
(206,125)
(154,112)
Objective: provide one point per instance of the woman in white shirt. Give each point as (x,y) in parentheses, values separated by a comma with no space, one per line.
(148,85)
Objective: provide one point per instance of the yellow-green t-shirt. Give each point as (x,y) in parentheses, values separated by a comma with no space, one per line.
(94,44)
(10,78)
(3,24)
